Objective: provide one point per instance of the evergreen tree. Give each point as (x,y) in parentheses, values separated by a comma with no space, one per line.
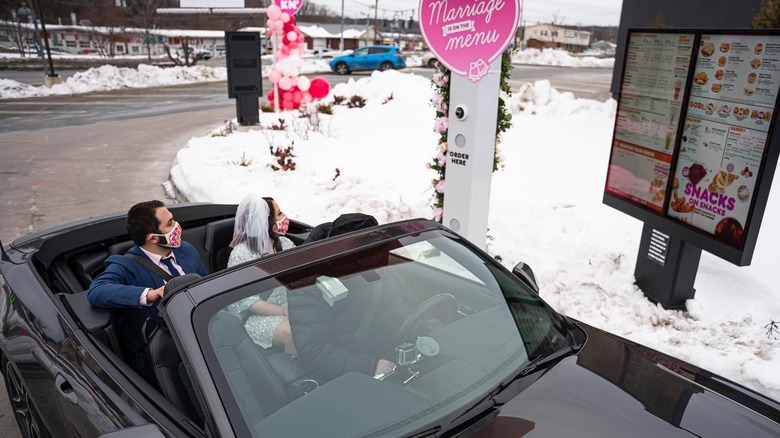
(768,15)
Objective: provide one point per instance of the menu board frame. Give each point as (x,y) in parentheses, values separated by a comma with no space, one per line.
(659,216)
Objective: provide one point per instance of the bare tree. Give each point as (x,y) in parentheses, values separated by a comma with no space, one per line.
(143,14)
(106,22)
(311,9)
(556,20)
(184,55)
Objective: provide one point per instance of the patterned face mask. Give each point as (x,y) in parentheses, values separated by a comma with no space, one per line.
(172,238)
(282,225)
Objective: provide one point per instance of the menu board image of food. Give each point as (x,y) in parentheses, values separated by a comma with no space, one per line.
(648,116)
(727,121)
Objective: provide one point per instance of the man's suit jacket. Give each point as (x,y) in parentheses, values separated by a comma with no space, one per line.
(120,287)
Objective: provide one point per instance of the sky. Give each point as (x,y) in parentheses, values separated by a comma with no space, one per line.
(544,210)
(571,12)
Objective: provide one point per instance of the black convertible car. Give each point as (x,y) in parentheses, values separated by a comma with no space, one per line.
(474,350)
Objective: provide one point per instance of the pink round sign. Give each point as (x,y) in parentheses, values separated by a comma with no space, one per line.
(289,6)
(467,35)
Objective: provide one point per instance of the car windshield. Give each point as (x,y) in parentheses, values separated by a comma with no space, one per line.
(388,339)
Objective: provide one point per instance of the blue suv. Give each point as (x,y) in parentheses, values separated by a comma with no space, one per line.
(369,58)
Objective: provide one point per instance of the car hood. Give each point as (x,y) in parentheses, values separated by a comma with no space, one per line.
(615,388)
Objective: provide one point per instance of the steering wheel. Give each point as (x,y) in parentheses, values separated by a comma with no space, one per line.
(442,308)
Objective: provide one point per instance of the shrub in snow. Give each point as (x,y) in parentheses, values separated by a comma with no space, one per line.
(356,102)
(283,158)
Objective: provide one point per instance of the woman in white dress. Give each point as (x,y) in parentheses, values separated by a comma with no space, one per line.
(259,230)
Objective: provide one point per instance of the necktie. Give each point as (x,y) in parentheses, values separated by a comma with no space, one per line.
(167,262)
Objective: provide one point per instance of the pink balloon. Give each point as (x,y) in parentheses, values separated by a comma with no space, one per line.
(297,96)
(293,45)
(280,56)
(307,97)
(274,12)
(285,83)
(274,76)
(292,36)
(295,80)
(288,105)
(285,50)
(278,25)
(287,96)
(319,88)
(271,97)
(285,17)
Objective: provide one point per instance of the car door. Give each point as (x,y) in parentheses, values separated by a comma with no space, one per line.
(31,334)
(377,57)
(360,59)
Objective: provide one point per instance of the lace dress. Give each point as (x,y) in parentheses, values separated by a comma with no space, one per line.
(260,328)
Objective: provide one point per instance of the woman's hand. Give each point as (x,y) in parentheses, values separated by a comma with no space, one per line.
(265,308)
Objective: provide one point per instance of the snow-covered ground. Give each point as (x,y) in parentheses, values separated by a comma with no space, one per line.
(113,78)
(109,77)
(545,209)
(560,58)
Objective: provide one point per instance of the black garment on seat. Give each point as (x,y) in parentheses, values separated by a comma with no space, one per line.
(343,224)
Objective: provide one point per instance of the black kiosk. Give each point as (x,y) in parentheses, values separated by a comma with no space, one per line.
(693,152)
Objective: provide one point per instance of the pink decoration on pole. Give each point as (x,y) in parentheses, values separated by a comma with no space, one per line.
(285,83)
(289,6)
(303,83)
(273,12)
(468,35)
(285,17)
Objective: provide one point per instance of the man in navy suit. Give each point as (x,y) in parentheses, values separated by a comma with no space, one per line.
(128,285)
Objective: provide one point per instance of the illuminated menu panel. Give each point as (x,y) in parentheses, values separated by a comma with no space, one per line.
(648,117)
(731,107)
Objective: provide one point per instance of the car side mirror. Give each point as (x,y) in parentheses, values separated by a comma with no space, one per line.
(526,275)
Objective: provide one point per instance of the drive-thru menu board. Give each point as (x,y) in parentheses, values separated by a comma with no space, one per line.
(693,131)
(731,107)
(654,82)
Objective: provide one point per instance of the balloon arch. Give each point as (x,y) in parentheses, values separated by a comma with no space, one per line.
(291,90)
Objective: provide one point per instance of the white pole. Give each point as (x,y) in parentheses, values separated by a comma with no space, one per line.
(471,141)
(275,45)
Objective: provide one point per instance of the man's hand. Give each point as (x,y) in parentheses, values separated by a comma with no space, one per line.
(384,367)
(155,294)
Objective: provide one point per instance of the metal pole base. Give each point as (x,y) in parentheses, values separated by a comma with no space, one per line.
(666,268)
(50,81)
(247,109)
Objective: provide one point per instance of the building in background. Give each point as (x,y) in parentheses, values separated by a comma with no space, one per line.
(546,35)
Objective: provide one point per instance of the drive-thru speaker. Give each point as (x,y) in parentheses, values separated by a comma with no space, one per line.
(243,69)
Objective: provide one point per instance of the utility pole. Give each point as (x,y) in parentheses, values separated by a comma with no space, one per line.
(376,21)
(341,36)
(50,75)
